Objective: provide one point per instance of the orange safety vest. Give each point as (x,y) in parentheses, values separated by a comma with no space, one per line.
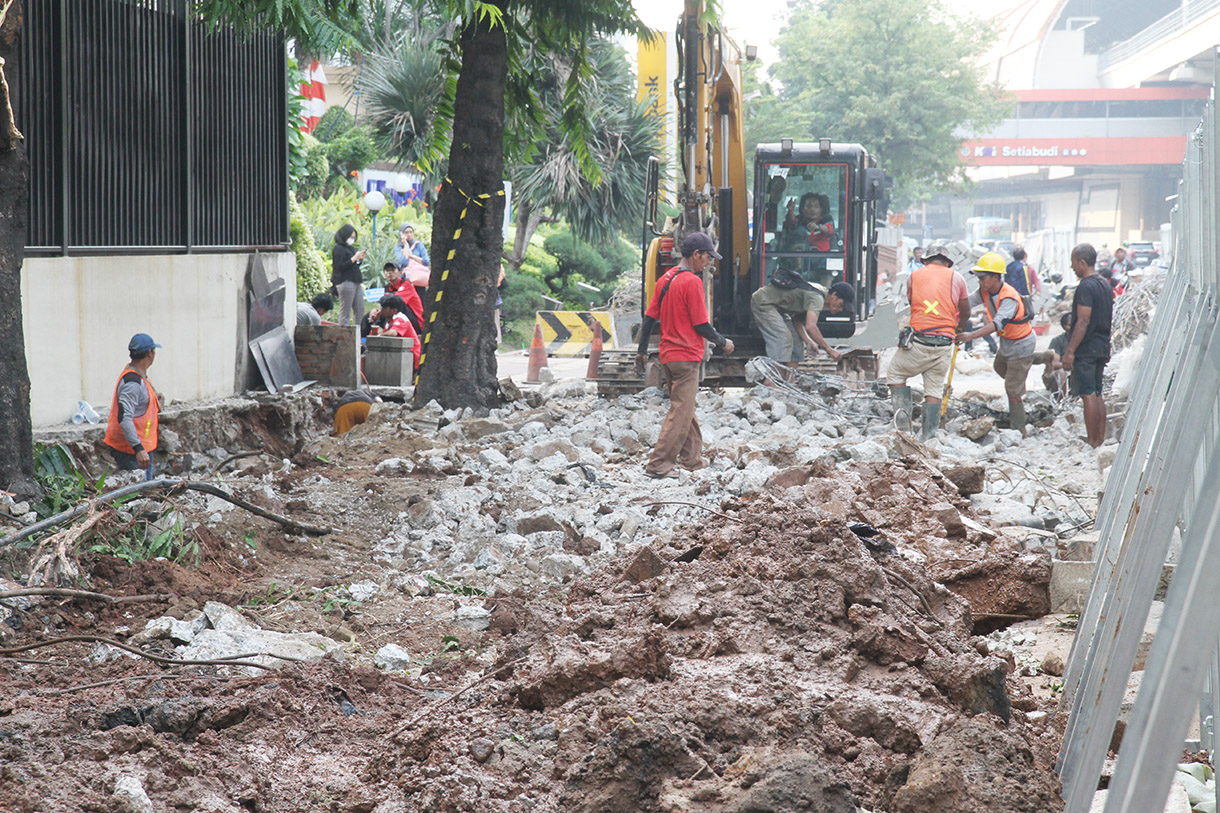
(933,309)
(1011,330)
(146,424)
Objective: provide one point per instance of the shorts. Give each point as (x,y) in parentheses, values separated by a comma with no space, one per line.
(931,362)
(784,344)
(1085,378)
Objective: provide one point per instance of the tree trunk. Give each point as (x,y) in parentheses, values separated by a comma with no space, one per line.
(16,434)
(528,220)
(459,367)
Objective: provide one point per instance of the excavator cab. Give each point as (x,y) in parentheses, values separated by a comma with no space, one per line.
(815,212)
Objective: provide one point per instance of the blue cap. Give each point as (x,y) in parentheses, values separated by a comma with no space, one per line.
(141,343)
(698,241)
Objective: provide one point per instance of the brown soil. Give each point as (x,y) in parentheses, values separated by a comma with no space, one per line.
(784,667)
(768,661)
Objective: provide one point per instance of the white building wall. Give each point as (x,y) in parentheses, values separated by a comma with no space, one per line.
(80,312)
(1061,208)
(1062,62)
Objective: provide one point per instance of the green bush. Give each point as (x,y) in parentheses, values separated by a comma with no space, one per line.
(523,297)
(350,153)
(574,258)
(335,122)
(313,267)
(316,168)
(577,261)
(623,258)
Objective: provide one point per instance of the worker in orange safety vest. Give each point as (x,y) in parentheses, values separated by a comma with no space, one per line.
(1009,318)
(939,309)
(131,432)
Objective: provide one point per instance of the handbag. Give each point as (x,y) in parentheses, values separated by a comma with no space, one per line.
(416,272)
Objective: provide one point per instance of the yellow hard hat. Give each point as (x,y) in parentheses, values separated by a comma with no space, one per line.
(990,263)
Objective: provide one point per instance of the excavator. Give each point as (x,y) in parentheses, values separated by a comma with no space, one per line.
(712,196)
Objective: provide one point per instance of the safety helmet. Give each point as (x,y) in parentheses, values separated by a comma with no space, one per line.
(990,263)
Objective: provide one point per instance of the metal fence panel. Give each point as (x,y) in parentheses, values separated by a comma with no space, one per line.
(147,132)
(1166,474)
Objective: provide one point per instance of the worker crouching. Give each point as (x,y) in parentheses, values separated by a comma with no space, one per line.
(1009,317)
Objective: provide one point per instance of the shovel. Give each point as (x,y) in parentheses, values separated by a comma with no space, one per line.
(944,402)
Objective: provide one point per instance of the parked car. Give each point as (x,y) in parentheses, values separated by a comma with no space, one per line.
(1143,254)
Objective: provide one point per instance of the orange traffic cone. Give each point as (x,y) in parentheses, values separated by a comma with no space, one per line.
(595,355)
(537,356)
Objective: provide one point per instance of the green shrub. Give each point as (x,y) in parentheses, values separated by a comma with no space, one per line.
(63,485)
(313,267)
(523,297)
(335,123)
(598,265)
(350,153)
(316,168)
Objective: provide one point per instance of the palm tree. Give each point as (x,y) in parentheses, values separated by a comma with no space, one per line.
(459,367)
(552,179)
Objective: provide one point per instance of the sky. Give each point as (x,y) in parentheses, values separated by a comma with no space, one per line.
(756,22)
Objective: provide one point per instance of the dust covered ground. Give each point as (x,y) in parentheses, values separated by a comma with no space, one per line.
(509,616)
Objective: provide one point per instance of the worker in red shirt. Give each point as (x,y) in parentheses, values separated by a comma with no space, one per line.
(679,304)
(394,314)
(396,283)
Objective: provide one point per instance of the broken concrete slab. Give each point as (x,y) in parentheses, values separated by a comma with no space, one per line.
(393,658)
(1070,583)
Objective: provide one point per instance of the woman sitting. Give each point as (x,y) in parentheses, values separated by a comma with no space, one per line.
(812,230)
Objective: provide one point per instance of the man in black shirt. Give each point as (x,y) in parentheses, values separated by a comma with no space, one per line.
(1088,349)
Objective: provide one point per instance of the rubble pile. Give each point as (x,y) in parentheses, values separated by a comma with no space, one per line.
(774,661)
(538,495)
(512,616)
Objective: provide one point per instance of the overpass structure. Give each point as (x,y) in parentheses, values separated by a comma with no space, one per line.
(1105,94)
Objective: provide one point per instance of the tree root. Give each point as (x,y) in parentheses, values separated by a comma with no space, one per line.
(414,721)
(171,485)
(54,566)
(233,660)
(65,592)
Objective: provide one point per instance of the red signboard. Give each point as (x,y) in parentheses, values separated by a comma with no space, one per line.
(1001,152)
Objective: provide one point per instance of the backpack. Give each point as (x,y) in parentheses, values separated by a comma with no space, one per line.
(787,279)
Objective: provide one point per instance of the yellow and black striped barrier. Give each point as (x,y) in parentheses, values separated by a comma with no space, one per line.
(478,200)
(570,333)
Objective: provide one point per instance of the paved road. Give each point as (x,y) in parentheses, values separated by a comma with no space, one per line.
(514,363)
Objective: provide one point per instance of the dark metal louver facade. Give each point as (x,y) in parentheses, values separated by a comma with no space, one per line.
(150,133)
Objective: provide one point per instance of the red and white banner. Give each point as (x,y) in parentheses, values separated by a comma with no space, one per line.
(313,88)
(1003,152)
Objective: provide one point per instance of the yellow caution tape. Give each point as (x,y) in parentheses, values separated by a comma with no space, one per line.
(478,200)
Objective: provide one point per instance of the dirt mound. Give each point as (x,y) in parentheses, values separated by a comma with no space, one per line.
(784,643)
(780,646)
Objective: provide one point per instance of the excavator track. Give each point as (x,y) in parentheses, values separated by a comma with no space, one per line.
(616,373)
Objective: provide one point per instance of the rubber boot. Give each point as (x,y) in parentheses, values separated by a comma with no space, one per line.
(931,419)
(901,399)
(1016,416)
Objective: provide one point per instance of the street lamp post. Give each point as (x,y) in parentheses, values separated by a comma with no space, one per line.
(374,201)
(402,184)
